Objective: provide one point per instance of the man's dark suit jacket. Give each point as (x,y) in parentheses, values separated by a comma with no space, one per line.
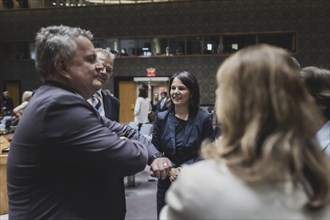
(65,159)
(111,106)
(111,111)
(160,108)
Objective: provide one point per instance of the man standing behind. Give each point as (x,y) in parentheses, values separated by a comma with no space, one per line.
(7,104)
(162,105)
(65,159)
(109,105)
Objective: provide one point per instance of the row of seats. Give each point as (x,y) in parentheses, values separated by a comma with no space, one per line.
(146,129)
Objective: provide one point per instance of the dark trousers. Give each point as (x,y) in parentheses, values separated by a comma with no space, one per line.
(139,126)
(162,187)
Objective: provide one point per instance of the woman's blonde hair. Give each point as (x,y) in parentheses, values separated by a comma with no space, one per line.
(268,124)
(26,95)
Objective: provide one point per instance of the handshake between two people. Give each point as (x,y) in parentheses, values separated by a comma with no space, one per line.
(162,167)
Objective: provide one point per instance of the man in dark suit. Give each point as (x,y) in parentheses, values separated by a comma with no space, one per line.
(162,105)
(109,105)
(65,159)
(7,104)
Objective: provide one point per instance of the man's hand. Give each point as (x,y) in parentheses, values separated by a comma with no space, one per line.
(160,167)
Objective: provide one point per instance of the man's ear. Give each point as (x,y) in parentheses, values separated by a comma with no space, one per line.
(61,68)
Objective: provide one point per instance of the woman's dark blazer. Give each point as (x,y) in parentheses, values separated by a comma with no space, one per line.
(198,128)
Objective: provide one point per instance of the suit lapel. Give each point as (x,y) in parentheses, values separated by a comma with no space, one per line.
(106,105)
(188,129)
(171,119)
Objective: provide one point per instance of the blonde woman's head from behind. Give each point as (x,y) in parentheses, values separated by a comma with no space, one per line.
(259,92)
(26,96)
(268,122)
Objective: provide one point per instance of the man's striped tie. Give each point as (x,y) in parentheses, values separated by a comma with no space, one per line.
(96,102)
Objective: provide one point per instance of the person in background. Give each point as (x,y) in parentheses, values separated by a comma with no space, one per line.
(0,106)
(266,164)
(7,104)
(215,124)
(65,159)
(123,52)
(179,131)
(109,105)
(163,103)
(317,81)
(18,110)
(142,107)
(155,101)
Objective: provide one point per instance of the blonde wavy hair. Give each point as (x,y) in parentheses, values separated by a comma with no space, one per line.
(268,124)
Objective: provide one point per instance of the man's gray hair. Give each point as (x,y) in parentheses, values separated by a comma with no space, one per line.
(56,42)
(105,52)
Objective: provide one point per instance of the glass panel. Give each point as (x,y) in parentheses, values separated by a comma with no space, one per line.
(177,46)
(211,45)
(40,4)
(127,47)
(112,46)
(194,45)
(144,47)
(23,4)
(127,1)
(284,40)
(160,46)
(232,43)
(101,2)
(190,45)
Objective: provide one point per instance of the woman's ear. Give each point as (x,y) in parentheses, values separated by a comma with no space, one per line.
(61,68)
